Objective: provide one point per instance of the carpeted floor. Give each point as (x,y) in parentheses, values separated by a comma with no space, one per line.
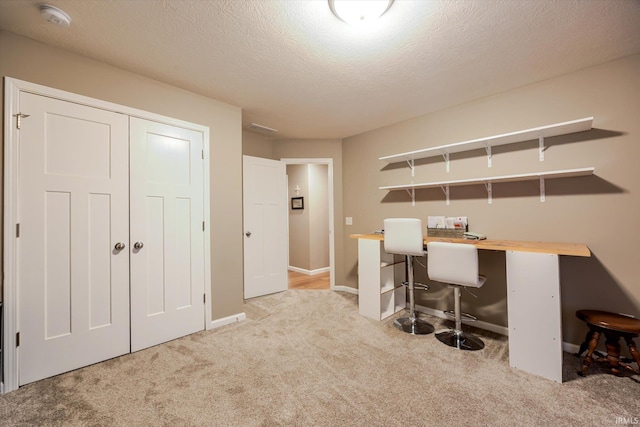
(306,358)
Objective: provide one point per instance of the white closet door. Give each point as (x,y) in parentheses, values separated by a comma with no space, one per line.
(73,209)
(167,272)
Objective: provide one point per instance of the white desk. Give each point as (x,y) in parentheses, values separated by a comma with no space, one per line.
(533,282)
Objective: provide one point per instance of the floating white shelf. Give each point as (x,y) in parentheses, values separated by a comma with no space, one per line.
(487,181)
(539,133)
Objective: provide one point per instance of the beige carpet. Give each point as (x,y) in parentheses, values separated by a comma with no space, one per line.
(306,358)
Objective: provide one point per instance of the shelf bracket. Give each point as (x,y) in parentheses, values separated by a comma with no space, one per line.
(542,191)
(487,148)
(446,160)
(487,185)
(411,164)
(445,190)
(541,147)
(412,194)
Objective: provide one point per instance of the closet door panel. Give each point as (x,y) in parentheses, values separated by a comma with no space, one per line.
(73,207)
(167,211)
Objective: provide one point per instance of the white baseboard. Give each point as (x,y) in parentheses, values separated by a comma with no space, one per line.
(347,289)
(309,272)
(226,320)
(569,347)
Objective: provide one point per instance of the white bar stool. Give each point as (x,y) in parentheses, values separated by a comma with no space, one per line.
(403,236)
(455,264)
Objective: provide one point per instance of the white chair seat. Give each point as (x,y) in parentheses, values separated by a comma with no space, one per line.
(455,264)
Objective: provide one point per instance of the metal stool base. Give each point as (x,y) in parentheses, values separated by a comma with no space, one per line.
(415,327)
(460,340)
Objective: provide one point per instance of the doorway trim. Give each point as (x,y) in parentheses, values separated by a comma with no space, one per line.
(12,89)
(332,251)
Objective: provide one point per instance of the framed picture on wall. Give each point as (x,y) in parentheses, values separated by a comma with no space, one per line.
(297,203)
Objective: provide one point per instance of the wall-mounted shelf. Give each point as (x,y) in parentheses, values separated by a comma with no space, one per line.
(539,133)
(488,181)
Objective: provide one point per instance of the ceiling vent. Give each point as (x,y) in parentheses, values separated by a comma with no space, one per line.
(259,128)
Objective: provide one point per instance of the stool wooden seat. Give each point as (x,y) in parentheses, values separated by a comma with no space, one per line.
(614,326)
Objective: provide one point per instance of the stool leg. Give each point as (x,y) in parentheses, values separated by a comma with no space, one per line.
(593,343)
(457,337)
(412,325)
(457,309)
(634,353)
(412,302)
(613,352)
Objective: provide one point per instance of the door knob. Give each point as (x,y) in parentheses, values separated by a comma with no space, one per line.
(119,246)
(138,245)
(248,234)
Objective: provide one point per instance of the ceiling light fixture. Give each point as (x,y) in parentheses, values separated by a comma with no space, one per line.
(54,15)
(358,12)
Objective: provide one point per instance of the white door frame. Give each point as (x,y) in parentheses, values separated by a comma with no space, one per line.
(332,251)
(12,89)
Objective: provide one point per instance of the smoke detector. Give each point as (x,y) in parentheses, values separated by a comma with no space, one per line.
(54,15)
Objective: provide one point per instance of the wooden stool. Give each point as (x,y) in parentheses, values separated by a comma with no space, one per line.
(614,326)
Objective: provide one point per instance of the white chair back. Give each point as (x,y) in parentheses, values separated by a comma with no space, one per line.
(403,236)
(454,263)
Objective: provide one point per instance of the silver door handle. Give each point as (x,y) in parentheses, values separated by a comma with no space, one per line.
(138,245)
(248,234)
(119,246)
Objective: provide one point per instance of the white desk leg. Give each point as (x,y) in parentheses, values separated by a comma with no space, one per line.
(535,325)
(369,278)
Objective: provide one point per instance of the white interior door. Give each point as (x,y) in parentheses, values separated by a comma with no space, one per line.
(167,214)
(265,226)
(73,286)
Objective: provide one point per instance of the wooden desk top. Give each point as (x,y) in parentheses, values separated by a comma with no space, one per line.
(572,249)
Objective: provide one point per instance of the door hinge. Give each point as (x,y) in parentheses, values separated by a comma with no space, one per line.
(204,298)
(202,154)
(19,118)
(18,230)
(18,339)
(202,225)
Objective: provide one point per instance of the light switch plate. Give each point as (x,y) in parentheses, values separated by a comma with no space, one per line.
(348,220)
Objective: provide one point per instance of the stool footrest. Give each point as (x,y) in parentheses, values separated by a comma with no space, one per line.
(466,317)
(417,286)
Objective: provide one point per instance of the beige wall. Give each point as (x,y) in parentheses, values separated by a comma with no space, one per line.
(309,227)
(35,62)
(299,227)
(328,149)
(256,145)
(318,217)
(600,210)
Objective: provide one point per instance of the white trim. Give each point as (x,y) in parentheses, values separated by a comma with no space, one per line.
(309,272)
(218,323)
(12,89)
(570,348)
(347,289)
(10,306)
(332,244)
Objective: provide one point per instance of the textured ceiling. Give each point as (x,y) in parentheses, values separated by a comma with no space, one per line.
(291,65)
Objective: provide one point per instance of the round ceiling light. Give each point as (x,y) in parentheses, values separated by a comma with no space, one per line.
(358,12)
(54,15)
